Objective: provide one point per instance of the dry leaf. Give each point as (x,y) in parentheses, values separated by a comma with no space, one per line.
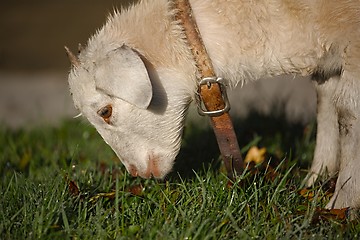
(271,173)
(255,155)
(332,214)
(340,214)
(328,190)
(73,188)
(110,195)
(307,193)
(136,190)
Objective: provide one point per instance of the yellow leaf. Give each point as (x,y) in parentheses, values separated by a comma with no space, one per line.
(255,155)
(109,195)
(306,193)
(24,162)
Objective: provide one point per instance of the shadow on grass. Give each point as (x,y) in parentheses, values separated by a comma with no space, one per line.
(76,143)
(282,140)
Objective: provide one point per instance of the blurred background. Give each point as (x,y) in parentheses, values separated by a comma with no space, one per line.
(34,66)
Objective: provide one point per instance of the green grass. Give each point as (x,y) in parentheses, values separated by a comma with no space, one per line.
(37,203)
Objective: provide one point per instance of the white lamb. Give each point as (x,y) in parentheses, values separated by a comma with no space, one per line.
(136,77)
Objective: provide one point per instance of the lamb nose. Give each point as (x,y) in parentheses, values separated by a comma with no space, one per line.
(153,169)
(133,170)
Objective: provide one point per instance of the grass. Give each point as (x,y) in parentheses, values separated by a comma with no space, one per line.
(40,169)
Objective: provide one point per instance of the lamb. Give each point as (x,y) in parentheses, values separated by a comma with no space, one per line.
(136,77)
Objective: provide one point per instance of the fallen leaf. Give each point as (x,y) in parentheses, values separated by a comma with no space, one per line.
(306,193)
(136,190)
(330,214)
(73,188)
(328,188)
(24,162)
(339,213)
(229,184)
(255,155)
(109,195)
(271,173)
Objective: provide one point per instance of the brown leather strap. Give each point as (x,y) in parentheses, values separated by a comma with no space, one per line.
(211,94)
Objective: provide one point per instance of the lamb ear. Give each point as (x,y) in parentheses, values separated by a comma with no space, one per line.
(122,74)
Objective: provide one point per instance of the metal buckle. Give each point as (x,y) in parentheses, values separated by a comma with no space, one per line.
(201,108)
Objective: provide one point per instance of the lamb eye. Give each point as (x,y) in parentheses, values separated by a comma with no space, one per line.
(105,113)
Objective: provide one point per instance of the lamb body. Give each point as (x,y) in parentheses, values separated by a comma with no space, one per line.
(136,77)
